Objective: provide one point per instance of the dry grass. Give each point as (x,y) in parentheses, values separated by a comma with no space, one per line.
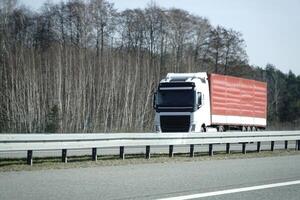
(17,164)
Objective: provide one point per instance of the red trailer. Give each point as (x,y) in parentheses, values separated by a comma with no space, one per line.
(237,101)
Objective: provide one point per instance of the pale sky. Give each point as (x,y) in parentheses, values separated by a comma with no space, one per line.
(271,28)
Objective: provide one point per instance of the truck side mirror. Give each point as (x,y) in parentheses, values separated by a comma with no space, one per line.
(154,100)
(199,103)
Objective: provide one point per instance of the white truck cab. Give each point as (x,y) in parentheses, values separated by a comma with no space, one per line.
(182,103)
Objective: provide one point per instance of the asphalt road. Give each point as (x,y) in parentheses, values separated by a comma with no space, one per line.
(154,181)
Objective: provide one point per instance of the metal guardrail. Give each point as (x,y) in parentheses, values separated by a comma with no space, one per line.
(36,142)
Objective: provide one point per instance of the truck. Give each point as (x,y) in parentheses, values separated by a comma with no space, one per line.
(201,102)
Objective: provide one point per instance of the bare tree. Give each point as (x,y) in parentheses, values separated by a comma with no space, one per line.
(81,66)
(234,49)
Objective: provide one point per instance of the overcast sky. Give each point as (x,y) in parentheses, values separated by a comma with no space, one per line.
(271,28)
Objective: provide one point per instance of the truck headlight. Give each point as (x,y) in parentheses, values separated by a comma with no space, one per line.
(157,129)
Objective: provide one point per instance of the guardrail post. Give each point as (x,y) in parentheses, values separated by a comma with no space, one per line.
(286,144)
(272,145)
(228,148)
(258,146)
(29,157)
(122,153)
(94,154)
(192,152)
(147,152)
(64,156)
(171,151)
(244,148)
(210,150)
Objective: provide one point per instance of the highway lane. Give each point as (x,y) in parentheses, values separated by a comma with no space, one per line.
(278,193)
(138,150)
(154,181)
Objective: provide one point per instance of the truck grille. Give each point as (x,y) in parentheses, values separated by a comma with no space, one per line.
(175,123)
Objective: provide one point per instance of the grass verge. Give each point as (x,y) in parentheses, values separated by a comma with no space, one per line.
(44,163)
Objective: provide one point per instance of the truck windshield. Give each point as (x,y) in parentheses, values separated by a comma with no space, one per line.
(176,98)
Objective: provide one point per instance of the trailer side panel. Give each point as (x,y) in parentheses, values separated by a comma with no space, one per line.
(237,101)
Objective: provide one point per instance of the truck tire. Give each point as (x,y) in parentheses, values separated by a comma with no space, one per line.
(203,128)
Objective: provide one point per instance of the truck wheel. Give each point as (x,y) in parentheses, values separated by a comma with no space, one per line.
(203,128)
(249,129)
(253,128)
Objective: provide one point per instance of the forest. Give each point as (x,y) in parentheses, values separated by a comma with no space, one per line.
(83,66)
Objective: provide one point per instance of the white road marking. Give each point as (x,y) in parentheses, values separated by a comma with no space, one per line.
(230,191)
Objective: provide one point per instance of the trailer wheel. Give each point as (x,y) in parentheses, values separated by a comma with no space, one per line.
(244,129)
(254,128)
(220,129)
(248,128)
